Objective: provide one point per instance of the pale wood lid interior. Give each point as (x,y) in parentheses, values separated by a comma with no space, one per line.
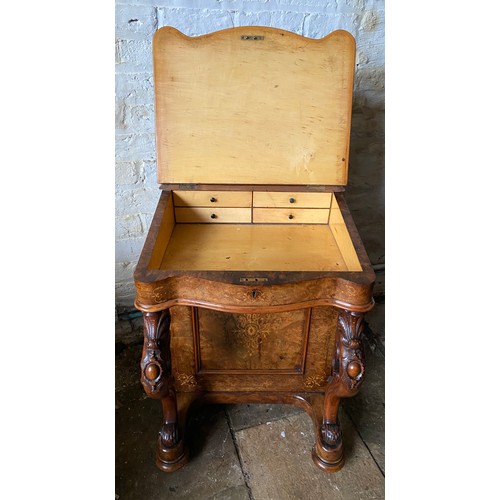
(236,110)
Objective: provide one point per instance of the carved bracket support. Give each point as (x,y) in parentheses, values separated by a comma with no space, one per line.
(348,373)
(155,363)
(350,349)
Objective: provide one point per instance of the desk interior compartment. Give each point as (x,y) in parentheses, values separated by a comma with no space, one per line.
(244,240)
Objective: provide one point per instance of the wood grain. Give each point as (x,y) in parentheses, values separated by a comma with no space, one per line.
(295,199)
(164,233)
(253,111)
(343,238)
(291,215)
(242,352)
(253,247)
(305,188)
(214,215)
(251,343)
(344,243)
(220,198)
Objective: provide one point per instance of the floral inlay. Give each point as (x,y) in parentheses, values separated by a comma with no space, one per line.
(251,329)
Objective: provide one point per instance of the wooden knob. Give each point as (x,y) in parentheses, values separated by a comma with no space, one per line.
(152,371)
(290,216)
(213,216)
(213,200)
(354,369)
(292,200)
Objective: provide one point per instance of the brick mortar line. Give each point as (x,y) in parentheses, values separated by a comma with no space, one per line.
(292,8)
(238,454)
(287,9)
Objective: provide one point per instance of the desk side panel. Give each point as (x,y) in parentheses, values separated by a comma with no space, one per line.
(157,238)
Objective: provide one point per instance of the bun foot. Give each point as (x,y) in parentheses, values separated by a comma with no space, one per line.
(327,459)
(171,459)
(328,453)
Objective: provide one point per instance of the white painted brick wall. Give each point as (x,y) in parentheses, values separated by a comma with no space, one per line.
(136,20)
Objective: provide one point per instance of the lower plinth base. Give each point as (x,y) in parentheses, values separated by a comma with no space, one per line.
(329,460)
(171,459)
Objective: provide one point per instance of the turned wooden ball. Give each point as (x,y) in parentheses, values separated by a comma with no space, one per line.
(152,371)
(354,369)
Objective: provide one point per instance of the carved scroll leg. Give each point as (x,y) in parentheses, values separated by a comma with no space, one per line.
(171,454)
(328,452)
(349,368)
(156,378)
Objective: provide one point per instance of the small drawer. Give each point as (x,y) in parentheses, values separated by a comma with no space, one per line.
(287,199)
(291,216)
(213,215)
(213,198)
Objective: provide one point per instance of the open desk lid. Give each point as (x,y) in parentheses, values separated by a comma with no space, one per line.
(253,105)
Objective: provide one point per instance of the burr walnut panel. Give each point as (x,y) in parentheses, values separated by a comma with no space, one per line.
(212,350)
(257,342)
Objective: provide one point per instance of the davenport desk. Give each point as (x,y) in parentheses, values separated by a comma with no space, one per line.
(253,280)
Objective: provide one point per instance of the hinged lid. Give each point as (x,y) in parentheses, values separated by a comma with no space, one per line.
(253,105)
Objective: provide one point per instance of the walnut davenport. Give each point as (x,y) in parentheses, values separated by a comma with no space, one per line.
(253,280)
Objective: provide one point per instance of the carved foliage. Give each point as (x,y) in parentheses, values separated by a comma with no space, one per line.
(155,363)
(169,434)
(351,355)
(331,434)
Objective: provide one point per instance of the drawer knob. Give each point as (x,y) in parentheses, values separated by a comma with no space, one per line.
(212,200)
(213,216)
(292,200)
(152,371)
(290,216)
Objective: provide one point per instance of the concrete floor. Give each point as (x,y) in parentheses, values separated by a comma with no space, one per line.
(260,452)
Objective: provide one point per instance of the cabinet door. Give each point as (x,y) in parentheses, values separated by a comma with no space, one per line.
(249,342)
(283,351)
